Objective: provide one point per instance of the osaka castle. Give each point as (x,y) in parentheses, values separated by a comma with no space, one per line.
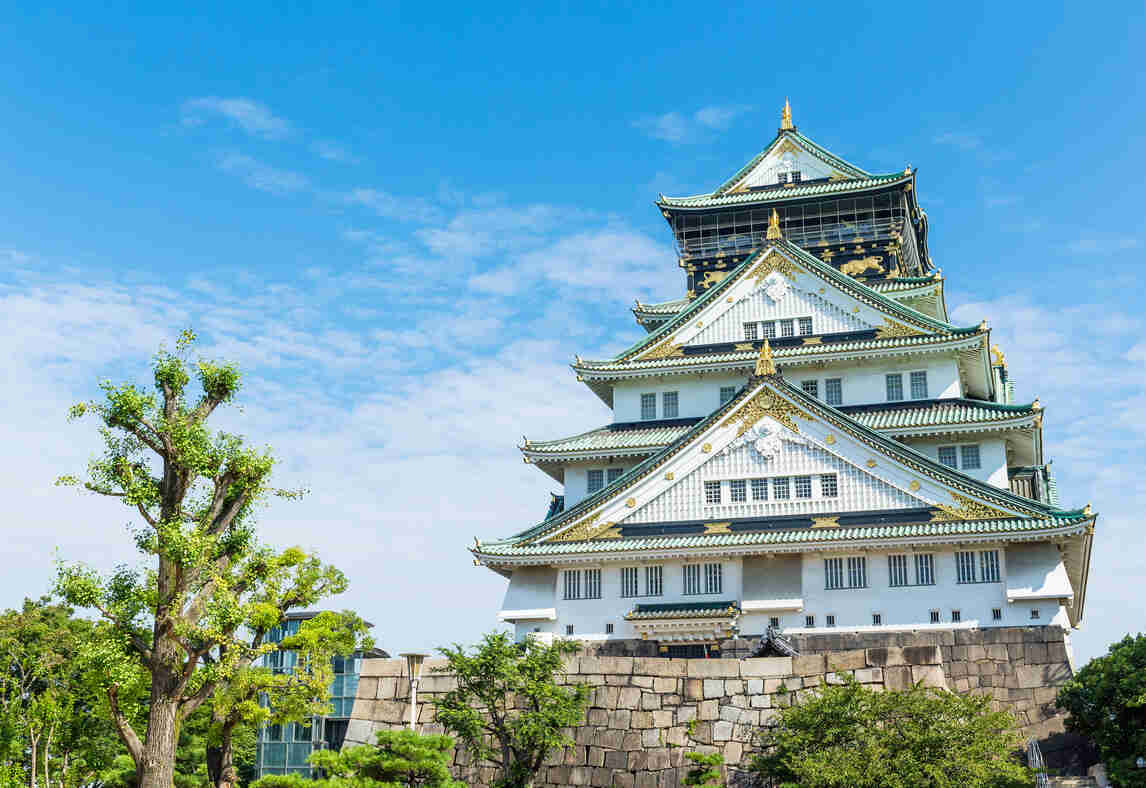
(802,443)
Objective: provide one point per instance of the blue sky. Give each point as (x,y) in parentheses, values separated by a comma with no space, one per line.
(403,223)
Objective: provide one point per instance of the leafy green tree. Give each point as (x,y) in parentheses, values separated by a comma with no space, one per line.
(195,617)
(508,707)
(1107,703)
(399,758)
(707,769)
(848,736)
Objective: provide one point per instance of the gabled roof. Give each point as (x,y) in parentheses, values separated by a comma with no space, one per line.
(765,196)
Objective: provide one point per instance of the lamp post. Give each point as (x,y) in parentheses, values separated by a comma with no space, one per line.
(414,667)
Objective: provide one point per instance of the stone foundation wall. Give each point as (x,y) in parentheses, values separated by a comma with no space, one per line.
(641,708)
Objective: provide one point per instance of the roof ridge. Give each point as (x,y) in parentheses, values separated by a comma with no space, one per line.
(815,149)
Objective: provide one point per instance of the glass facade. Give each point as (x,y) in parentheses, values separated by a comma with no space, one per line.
(284,749)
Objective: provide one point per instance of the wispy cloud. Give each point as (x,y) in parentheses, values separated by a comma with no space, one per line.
(1103,245)
(391,206)
(333,151)
(261,176)
(249,115)
(678,127)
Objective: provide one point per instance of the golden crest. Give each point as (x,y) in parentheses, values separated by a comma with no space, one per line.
(825,522)
(914,486)
(830,439)
(871,463)
(706,448)
(862,266)
(586,529)
(716,528)
(765,403)
(669,475)
(631,502)
(967,509)
(665,349)
(893,330)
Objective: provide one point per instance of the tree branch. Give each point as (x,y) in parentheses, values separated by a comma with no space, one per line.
(123,727)
(140,645)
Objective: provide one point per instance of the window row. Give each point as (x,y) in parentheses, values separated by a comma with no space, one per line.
(599,477)
(934,617)
(636,581)
(788,327)
(833,390)
(916,380)
(782,489)
(965,457)
(670,405)
(917,569)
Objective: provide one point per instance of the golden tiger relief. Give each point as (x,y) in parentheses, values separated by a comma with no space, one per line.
(862,266)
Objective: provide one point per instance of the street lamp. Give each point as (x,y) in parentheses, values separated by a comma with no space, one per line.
(414,668)
(1141,762)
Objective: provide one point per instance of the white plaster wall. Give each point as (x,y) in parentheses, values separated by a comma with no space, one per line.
(577,477)
(1036,570)
(530,587)
(827,318)
(696,396)
(766,171)
(992,456)
(866,384)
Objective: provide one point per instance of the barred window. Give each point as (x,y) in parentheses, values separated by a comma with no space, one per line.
(834,391)
(738,490)
(894,387)
(811,387)
(924,569)
(989,566)
(897,570)
(713,579)
(608,629)
(803,486)
(774,622)
(829,620)
(805,326)
(692,579)
(829,488)
(1034,613)
(568,629)
(834,573)
(727,393)
(654,581)
(795,176)
(760,489)
(615,473)
(876,619)
(751,331)
(934,616)
(969,456)
(669,401)
(857,572)
(919,385)
(948,457)
(956,616)
(592,584)
(572,578)
(781,177)
(596,480)
(780,488)
(965,567)
(996,614)
(769,329)
(788,327)
(629,581)
(809,621)
(648,407)
(712,492)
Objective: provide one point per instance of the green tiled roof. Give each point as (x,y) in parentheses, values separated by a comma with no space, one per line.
(805,536)
(662,308)
(607,438)
(784,194)
(683,610)
(812,147)
(902,283)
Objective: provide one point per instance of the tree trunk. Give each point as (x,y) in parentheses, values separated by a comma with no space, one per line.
(227,777)
(156,766)
(35,740)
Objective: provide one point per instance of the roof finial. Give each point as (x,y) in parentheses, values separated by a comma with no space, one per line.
(764,363)
(786,117)
(774,233)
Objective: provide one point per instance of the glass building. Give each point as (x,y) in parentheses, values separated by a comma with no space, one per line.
(284,749)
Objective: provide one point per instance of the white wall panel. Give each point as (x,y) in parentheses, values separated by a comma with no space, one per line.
(827,318)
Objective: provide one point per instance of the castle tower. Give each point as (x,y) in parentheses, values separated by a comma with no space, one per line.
(802,442)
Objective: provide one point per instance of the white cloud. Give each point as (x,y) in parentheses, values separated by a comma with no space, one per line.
(680,128)
(262,176)
(962,140)
(390,206)
(1102,245)
(333,151)
(249,115)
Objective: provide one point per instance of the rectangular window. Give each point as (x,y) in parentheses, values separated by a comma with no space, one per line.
(629,581)
(934,616)
(969,456)
(996,614)
(774,622)
(592,583)
(857,572)
(796,177)
(919,385)
(692,579)
(572,579)
(727,393)
(274,733)
(803,486)
(788,327)
(1034,614)
(834,573)
(608,629)
(780,488)
(568,629)
(811,388)
(654,581)
(924,569)
(829,620)
(965,567)
(712,492)
(596,481)
(760,489)
(948,457)
(834,391)
(782,177)
(738,490)
(809,621)
(876,619)
(805,326)
(894,387)
(751,331)
(669,402)
(769,329)
(648,407)
(956,616)
(614,473)
(989,566)
(713,579)
(829,488)
(897,570)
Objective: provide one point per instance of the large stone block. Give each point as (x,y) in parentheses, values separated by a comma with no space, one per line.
(707,710)
(630,697)
(644,682)
(616,759)
(766,667)
(846,660)
(713,688)
(1035,653)
(383,667)
(714,668)
(659,666)
(658,759)
(882,657)
(693,689)
(620,718)
(930,675)
(721,730)
(923,655)
(869,675)
(664,685)
(809,664)
(1051,675)
(616,666)
(650,701)
(684,714)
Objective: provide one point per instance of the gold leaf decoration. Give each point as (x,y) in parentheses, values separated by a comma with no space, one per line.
(893,330)
(813,340)
(765,403)
(670,475)
(706,448)
(665,349)
(830,439)
(914,486)
(774,261)
(581,530)
(744,346)
(871,463)
(716,528)
(631,502)
(967,509)
(825,522)
(764,363)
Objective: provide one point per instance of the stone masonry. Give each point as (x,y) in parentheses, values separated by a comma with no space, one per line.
(645,712)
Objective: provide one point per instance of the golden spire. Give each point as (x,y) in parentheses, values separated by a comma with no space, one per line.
(764,363)
(773,233)
(786,117)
